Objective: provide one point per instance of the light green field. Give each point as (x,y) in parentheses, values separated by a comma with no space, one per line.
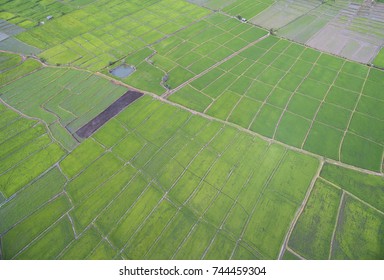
(204,153)
(245,145)
(300,100)
(59,98)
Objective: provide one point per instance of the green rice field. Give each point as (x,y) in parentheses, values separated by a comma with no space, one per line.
(244,146)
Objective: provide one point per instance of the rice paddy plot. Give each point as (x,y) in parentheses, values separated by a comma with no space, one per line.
(134,172)
(295,96)
(57,96)
(100,33)
(348,29)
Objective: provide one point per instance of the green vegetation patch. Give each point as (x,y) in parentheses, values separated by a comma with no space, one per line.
(369,188)
(359,234)
(312,235)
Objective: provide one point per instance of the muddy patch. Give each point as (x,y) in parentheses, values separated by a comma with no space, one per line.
(115,108)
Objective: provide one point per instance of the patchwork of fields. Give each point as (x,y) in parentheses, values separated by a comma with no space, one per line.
(245,145)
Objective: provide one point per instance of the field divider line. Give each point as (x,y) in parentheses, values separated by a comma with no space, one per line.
(353,113)
(93,222)
(322,102)
(25,75)
(227,88)
(246,130)
(167,94)
(219,192)
(154,243)
(294,92)
(352,195)
(41,121)
(262,156)
(273,88)
(263,188)
(197,188)
(337,220)
(41,234)
(104,237)
(143,223)
(289,249)
(300,211)
(20,162)
(127,210)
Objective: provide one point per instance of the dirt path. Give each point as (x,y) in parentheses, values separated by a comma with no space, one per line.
(300,211)
(169,93)
(338,220)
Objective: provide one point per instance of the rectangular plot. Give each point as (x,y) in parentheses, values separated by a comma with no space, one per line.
(130,222)
(223,105)
(111,133)
(369,188)
(184,187)
(30,228)
(84,213)
(129,147)
(293,177)
(371,106)
(279,97)
(97,173)
(81,157)
(333,115)
(367,127)
(292,129)
(357,236)
(206,79)
(30,199)
(219,85)
(312,234)
(153,227)
(202,198)
(360,152)
(271,76)
(259,90)
(110,216)
(323,74)
(219,209)
(17,129)
(266,120)
(103,252)
(191,98)
(324,140)
(349,82)
(60,235)
(221,248)
(313,89)
(269,224)
(197,242)
(244,112)
(251,193)
(23,153)
(83,246)
(172,237)
(303,106)
(137,112)
(241,85)
(18,177)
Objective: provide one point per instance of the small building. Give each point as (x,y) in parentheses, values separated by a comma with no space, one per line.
(49,17)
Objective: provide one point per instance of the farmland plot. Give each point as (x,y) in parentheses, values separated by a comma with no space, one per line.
(296,95)
(103,32)
(164,164)
(60,98)
(345,208)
